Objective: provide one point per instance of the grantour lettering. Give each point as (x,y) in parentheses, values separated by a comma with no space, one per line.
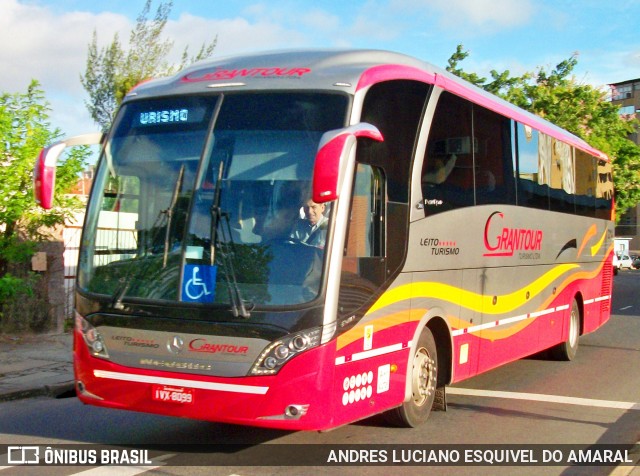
(508,240)
(245,73)
(201,345)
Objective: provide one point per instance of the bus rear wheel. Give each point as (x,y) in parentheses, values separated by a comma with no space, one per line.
(568,349)
(424,378)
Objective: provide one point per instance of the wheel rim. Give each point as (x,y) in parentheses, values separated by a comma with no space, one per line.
(574,331)
(423,376)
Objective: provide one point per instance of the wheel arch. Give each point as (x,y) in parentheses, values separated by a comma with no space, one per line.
(580,301)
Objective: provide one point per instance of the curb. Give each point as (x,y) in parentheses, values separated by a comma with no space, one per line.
(61,390)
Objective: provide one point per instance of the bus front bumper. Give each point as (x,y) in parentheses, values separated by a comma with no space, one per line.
(290,400)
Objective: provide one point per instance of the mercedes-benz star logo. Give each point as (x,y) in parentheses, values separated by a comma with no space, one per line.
(175,345)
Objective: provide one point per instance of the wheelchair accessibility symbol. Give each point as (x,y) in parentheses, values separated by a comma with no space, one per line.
(198,284)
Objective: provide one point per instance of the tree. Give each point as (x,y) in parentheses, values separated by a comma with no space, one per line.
(111,71)
(579,108)
(25,129)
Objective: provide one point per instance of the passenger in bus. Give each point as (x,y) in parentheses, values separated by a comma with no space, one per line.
(485,181)
(312,229)
(282,211)
(440,171)
(486,188)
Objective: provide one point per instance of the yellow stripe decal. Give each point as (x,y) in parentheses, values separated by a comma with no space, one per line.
(595,248)
(489,330)
(591,232)
(505,304)
(468,299)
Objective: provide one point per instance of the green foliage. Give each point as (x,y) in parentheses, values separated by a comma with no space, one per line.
(14,250)
(579,108)
(112,71)
(10,286)
(23,306)
(25,129)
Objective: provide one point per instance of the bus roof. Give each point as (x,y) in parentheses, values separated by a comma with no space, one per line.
(338,70)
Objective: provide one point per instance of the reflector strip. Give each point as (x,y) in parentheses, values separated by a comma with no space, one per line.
(543,313)
(531,315)
(220,387)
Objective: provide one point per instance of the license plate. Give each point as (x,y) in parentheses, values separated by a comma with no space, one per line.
(163,393)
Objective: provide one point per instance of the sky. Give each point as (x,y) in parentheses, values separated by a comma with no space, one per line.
(47,40)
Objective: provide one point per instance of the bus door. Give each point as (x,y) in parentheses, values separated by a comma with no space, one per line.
(508,332)
(466,343)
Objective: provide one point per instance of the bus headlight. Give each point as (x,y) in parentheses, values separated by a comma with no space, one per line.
(92,337)
(271,360)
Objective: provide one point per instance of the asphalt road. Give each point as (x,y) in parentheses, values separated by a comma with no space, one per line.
(593,400)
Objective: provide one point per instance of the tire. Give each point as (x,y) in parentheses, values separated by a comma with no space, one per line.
(567,350)
(424,378)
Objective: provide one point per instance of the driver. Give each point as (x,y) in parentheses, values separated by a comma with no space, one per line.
(312,229)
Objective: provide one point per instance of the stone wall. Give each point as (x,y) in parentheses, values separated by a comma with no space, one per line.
(53,282)
(42,308)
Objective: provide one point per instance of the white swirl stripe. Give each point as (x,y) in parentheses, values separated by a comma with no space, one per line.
(522,317)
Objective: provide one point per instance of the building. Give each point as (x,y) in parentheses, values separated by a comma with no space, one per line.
(626,94)
(71,235)
(83,187)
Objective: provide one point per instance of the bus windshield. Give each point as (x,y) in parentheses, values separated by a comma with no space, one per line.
(206,199)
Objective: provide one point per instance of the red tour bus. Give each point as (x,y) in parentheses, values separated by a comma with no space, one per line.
(300,240)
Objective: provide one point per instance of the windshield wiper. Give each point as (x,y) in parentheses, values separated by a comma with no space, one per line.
(238,307)
(169,213)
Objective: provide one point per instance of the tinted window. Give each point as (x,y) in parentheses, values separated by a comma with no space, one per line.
(395,108)
(469,157)
(553,175)
(532,188)
(493,159)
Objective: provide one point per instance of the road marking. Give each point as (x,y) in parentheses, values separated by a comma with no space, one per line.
(625,308)
(538,397)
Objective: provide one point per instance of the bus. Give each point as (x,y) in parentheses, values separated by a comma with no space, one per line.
(459,233)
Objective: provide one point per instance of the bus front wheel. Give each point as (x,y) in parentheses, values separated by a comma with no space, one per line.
(424,378)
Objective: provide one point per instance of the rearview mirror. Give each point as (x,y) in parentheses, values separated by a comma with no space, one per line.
(332,159)
(44,174)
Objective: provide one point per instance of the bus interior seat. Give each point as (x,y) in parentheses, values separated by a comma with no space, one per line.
(243,215)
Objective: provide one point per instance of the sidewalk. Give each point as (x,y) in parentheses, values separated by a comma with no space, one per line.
(35,365)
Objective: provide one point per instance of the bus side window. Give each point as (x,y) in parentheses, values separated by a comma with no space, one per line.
(365,236)
(533,191)
(363,263)
(469,157)
(604,190)
(447,172)
(493,164)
